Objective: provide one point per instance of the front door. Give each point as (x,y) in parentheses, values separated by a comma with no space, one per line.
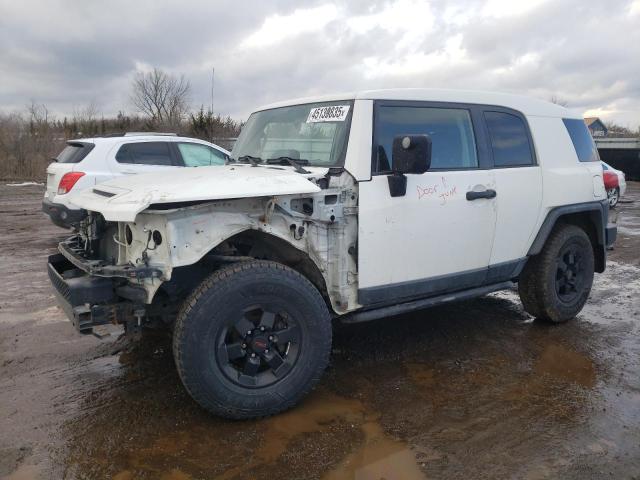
(436,238)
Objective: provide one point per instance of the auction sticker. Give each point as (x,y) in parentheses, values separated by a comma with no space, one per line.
(334,113)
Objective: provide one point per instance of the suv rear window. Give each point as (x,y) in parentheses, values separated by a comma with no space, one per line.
(582,140)
(145,153)
(74,152)
(509,140)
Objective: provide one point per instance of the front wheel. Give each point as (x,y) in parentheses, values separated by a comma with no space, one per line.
(613,194)
(252,340)
(555,284)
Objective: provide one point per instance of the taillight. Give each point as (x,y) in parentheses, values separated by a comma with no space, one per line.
(67,181)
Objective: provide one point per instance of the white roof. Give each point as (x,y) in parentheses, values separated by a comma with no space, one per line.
(144,138)
(526,105)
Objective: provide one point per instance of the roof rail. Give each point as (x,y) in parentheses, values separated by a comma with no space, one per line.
(151,134)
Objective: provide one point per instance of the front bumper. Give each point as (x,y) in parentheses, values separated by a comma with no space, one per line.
(92,293)
(87,300)
(61,215)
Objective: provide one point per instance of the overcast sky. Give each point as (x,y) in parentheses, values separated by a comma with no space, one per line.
(69,53)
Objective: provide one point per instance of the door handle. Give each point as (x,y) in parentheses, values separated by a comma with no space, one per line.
(471,195)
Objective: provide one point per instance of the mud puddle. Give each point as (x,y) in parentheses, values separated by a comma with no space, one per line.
(328,436)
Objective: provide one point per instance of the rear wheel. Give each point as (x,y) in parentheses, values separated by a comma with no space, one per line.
(613,194)
(556,283)
(252,340)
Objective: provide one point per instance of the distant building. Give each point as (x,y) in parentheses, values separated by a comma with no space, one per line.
(596,127)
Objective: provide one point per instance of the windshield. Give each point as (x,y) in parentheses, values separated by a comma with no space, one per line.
(311,134)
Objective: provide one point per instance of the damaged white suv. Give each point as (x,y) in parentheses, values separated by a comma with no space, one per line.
(350,207)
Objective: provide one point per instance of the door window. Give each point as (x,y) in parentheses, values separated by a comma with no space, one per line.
(198,155)
(145,153)
(451,131)
(509,140)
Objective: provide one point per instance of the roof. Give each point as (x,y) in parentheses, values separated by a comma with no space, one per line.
(143,138)
(526,105)
(591,120)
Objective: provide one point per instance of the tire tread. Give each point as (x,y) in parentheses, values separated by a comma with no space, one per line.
(221,279)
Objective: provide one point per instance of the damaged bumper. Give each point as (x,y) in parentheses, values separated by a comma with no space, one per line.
(74,252)
(91,300)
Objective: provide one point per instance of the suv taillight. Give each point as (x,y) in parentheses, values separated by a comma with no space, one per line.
(67,181)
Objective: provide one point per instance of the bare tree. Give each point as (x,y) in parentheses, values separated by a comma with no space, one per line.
(85,119)
(87,113)
(162,97)
(615,130)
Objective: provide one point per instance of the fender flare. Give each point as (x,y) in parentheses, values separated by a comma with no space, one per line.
(598,215)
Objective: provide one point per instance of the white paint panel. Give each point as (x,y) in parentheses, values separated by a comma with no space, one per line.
(566,180)
(358,158)
(433,230)
(519,197)
(136,192)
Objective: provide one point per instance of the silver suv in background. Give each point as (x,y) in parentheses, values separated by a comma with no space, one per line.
(89,161)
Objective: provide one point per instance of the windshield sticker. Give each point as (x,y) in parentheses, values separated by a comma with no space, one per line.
(335,113)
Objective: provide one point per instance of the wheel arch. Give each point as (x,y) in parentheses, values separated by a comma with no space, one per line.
(262,245)
(592,217)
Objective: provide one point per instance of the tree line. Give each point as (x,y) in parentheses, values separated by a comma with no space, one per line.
(30,138)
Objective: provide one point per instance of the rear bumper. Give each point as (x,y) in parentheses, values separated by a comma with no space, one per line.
(61,215)
(90,300)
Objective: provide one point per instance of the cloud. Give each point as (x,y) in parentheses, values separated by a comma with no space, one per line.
(277,28)
(66,53)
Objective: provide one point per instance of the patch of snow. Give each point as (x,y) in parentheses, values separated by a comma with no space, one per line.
(23,184)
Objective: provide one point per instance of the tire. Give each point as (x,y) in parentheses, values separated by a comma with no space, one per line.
(252,340)
(613,194)
(555,284)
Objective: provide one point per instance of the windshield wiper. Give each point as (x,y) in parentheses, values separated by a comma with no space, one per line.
(296,163)
(254,161)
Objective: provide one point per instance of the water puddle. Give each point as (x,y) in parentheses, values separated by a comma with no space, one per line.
(379,457)
(376,457)
(567,365)
(327,436)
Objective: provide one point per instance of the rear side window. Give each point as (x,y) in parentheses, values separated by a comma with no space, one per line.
(145,153)
(509,140)
(450,129)
(582,140)
(74,152)
(198,155)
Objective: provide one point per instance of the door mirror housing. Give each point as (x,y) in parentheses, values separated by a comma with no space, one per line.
(411,154)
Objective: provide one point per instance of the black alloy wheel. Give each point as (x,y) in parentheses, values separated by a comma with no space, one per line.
(259,348)
(570,275)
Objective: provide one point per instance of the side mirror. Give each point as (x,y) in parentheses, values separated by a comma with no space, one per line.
(411,154)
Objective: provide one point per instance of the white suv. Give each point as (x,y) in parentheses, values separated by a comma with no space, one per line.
(89,161)
(350,207)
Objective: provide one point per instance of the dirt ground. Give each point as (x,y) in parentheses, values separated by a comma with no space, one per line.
(473,390)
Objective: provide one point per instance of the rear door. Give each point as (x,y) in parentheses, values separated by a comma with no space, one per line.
(518,185)
(437,237)
(132,158)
